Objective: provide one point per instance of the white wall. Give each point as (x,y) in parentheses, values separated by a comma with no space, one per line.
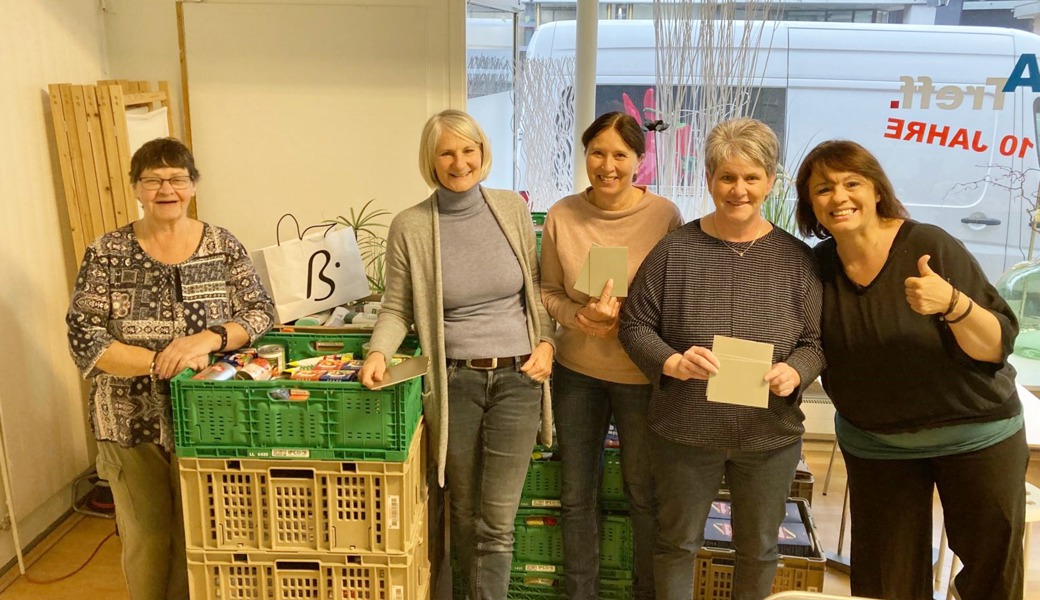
(141,36)
(324,98)
(42,403)
(314,108)
(42,400)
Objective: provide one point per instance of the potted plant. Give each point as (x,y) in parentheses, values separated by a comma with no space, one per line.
(370,230)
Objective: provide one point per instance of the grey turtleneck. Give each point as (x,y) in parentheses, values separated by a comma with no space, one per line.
(481,281)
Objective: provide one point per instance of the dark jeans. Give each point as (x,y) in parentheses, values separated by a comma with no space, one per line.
(582,407)
(493,418)
(983,500)
(688,480)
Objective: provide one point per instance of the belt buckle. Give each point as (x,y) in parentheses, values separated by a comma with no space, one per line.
(494,364)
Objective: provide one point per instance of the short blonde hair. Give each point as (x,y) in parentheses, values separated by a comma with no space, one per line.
(742,138)
(460,124)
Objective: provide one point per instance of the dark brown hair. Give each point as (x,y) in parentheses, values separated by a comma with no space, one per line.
(843,156)
(627,127)
(162,152)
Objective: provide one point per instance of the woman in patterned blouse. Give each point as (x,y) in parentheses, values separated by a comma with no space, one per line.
(152,298)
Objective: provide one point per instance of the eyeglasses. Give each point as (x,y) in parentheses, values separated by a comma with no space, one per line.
(180,182)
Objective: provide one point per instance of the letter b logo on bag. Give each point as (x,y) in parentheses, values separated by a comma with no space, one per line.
(320,275)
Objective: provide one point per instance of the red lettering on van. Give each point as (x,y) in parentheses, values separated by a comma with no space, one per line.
(894,129)
(960,139)
(940,135)
(915,131)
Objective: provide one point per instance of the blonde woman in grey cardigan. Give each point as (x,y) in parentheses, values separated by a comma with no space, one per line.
(461,267)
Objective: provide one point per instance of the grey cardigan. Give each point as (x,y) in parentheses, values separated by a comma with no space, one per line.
(413,296)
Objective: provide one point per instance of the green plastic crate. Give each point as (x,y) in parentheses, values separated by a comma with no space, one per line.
(538,543)
(539,219)
(339,421)
(542,586)
(543,485)
(612,488)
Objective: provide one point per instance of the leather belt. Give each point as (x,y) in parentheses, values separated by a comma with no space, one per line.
(489,364)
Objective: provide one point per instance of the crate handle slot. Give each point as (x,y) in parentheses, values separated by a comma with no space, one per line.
(298,565)
(292,474)
(327,346)
(348,467)
(233,464)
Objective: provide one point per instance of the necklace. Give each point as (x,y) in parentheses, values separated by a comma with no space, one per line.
(739,253)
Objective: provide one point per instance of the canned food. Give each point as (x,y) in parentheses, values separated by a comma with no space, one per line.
(259,369)
(218,371)
(275,354)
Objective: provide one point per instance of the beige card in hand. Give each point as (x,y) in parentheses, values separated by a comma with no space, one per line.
(742,366)
(403,371)
(601,264)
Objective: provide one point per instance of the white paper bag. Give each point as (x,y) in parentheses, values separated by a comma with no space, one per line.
(312,273)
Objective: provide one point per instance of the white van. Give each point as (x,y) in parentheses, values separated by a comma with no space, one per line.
(950,111)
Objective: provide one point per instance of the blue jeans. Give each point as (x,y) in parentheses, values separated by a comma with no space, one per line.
(582,407)
(493,418)
(688,479)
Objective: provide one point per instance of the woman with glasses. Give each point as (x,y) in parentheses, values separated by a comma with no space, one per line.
(153,298)
(461,268)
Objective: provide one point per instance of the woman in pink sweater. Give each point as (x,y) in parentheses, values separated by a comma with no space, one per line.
(593,378)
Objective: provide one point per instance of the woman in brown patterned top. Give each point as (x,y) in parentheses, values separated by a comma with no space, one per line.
(152,298)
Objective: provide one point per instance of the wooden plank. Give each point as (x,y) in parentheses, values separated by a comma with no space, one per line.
(149,98)
(61,142)
(123,149)
(193,208)
(185,98)
(117,177)
(97,152)
(72,126)
(164,89)
(88,201)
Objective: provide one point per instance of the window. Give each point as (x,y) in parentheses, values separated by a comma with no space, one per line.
(491,52)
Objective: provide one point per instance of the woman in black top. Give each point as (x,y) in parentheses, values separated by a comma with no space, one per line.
(916,341)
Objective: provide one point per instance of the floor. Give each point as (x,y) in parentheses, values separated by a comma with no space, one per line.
(76,539)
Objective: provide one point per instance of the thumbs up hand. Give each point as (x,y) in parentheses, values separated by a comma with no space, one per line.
(927,294)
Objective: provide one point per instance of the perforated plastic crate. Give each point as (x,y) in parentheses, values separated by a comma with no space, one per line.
(307,506)
(802,487)
(612,489)
(540,586)
(538,543)
(713,568)
(230,575)
(543,484)
(338,421)
(538,218)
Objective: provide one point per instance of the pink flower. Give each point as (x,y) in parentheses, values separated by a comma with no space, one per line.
(648,168)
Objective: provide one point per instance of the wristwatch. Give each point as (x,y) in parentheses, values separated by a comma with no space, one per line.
(222,332)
